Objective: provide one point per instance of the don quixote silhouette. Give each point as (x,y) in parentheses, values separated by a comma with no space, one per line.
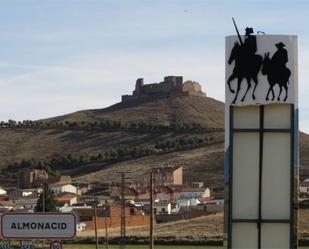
(248,64)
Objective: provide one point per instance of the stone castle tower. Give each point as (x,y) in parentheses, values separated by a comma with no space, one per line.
(171,86)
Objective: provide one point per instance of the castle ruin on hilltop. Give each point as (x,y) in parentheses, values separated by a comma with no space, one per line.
(171,86)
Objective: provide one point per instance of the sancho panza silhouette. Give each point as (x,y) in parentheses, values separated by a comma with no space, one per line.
(247,63)
(277,71)
(280,57)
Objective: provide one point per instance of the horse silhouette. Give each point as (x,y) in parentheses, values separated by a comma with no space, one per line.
(246,67)
(275,75)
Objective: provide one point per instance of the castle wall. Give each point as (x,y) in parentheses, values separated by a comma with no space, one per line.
(164,87)
(171,86)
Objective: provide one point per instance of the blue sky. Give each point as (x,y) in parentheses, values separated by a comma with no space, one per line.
(58,56)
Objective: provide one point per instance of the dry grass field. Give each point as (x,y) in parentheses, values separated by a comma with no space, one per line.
(202,228)
(203,164)
(83,246)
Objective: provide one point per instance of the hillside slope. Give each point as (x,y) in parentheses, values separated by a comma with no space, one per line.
(205,111)
(203,163)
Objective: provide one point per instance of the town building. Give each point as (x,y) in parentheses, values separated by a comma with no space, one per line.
(197,193)
(6,206)
(67,199)
(134,216)
(162,207)
(165,175)
(58,188)
(31,178)
(304,187)
(2,191)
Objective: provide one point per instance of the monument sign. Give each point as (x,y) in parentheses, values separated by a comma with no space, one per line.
(261,141)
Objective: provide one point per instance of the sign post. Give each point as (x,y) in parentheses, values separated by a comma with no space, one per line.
(261,141)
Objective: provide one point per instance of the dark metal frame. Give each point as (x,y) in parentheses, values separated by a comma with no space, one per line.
(294,178)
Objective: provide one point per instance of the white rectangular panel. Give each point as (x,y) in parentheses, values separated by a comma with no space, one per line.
(267,90)
(246,117)
(275,236)
(245,175)
(277,116)
(276,179)
(245,235)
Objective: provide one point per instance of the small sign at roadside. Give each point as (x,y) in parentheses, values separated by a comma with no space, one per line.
(55,245)
(5,246)
(27,246)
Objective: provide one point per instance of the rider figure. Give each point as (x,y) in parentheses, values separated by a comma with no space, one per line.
(280,57)
(249,46)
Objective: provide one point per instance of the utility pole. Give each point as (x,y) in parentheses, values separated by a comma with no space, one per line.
(43,206)
(123,215)
(151,232)
(96,225)
(43,197)
(106,209)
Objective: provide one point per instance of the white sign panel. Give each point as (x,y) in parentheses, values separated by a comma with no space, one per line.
(261,69)
(38,226)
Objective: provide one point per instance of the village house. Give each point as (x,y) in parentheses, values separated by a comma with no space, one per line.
(6,206)
(165,175)
(136,193)
(58,188)
(26,203)
(2,191)
(188,202)
(197,193)
(15,194)
(130,193)
(162,207)
(4,198)
(68,199)
(65,179)
(213,206)
(31,178)
(134,216)
(304,187)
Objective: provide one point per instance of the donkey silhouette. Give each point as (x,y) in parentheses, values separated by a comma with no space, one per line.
(277,73)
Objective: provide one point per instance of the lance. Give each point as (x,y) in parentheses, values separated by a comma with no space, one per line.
(240,40)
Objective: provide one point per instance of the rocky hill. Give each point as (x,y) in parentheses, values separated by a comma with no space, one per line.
(94,145)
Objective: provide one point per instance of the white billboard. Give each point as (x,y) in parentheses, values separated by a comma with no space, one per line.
(38,226)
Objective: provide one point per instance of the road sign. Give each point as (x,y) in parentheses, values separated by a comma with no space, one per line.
(27,246)
(25,226)
(5,246)
(56,245)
